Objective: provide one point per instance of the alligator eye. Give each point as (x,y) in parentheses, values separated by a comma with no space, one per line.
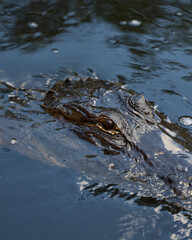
(106,123)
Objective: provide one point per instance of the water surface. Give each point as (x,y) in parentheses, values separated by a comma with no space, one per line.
(145,45)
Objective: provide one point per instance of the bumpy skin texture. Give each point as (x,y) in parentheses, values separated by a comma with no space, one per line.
(123,126)
(106,132)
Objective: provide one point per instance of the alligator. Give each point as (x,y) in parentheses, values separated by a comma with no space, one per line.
(111,134)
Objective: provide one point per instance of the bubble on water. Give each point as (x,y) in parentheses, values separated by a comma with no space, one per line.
(178,13)
(156,49)
(33,25)
(135,23)
(54,50)
(113,41)
(186,120)
(122,23)
(13,141)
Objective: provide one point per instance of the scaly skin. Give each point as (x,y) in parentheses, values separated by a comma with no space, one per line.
(107,132)
(121,122)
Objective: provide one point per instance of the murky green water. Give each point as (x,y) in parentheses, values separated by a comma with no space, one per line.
(145,45)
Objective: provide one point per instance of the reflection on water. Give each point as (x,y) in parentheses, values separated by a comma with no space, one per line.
(153,218)
(145,45)
(134,223)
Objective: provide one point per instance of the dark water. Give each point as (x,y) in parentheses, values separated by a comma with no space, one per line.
(147,46)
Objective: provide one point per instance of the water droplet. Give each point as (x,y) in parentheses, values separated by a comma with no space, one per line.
(54,50)
(122,23)
(179,167)
(186,120)
(33,25)
(135,23)
(13,141)
(111,166)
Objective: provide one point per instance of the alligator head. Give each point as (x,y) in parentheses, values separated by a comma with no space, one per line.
(125,128)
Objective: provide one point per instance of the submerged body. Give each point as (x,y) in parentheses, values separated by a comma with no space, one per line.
(113,135)
(123,126)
